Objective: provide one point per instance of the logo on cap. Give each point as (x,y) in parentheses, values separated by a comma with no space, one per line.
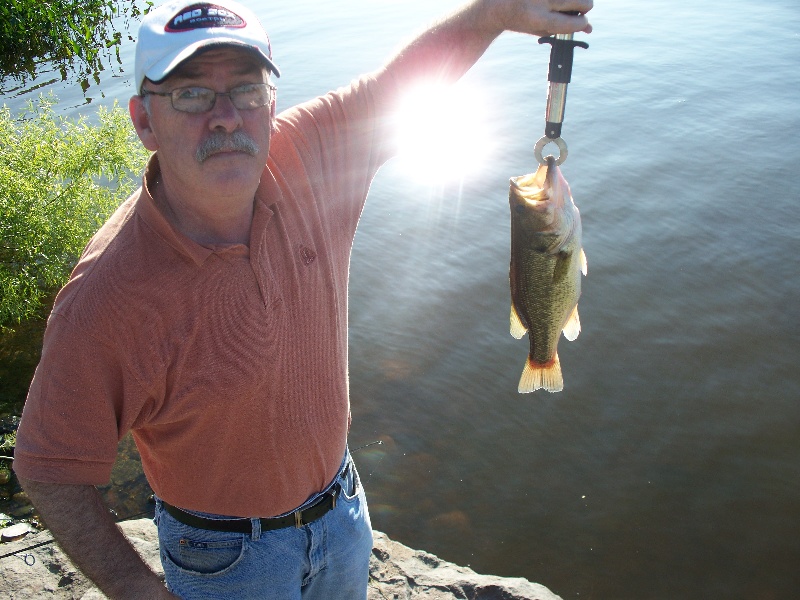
(202,16)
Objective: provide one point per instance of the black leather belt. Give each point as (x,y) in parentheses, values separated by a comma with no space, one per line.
(296,519)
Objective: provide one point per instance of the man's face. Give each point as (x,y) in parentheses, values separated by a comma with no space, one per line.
(222,151)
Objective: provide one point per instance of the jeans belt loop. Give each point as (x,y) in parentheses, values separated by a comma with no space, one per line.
(255,524)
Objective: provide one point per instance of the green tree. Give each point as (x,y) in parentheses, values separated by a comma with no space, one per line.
(77,36)
(60,179)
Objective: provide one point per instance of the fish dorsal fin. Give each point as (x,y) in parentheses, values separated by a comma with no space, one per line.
(517,328)
(573,325)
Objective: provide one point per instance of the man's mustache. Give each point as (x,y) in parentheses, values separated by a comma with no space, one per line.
(217,142)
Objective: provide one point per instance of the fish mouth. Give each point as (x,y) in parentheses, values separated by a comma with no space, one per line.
(516,184)
(530,188)
(535,188)
(539,179)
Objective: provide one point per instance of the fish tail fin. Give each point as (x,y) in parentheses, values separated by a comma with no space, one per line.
(573,325)
(584,264)
(517,328)
(537,376)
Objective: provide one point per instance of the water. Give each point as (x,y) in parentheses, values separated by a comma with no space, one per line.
(669,465)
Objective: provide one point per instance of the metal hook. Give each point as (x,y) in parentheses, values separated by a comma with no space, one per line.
(562,147)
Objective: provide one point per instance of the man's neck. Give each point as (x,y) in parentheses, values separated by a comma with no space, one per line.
(210,219)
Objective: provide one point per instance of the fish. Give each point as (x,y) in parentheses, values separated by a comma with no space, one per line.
(547,260)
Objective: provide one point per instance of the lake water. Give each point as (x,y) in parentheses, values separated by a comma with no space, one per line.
(669,467)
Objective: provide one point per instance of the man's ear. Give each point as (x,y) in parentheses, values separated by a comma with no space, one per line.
(141,122)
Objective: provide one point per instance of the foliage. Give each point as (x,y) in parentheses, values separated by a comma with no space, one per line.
(73,34)
(60,179)
(20,351)
(7,442)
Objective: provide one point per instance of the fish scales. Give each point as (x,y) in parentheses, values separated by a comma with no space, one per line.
(547,260)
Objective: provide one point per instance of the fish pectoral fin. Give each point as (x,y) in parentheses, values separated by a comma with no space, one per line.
(573,325)
(584,265)
(541,376)
(517,328)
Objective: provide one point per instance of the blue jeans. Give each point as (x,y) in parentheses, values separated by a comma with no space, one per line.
(327,559)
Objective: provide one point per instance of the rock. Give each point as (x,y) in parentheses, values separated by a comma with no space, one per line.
(21,498)
(19,512)
(40,569)
(399,573)
(15,532)
(39,572)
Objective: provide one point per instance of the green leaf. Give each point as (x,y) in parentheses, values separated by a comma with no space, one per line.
(60,179)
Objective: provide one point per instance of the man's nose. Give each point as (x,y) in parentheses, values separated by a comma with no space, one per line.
(224,115)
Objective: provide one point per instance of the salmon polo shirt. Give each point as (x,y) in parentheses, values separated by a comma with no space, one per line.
(228,363)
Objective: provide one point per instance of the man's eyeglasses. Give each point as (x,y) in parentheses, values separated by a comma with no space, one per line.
(200,99)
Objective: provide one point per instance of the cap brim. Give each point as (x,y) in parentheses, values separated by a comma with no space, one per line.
(164,68)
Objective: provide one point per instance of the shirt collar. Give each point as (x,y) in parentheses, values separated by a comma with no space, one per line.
(268,193)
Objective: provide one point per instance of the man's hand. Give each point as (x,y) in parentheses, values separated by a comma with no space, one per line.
(539,17)
(84,528)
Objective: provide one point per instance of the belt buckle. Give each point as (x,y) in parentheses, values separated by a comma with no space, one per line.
(333,493)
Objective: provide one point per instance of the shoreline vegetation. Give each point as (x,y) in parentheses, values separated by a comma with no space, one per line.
(60,179)
(77,38)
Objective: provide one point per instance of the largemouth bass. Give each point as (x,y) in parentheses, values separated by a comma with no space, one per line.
(546,265)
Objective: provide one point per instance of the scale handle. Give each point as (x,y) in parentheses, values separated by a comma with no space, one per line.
(559,74)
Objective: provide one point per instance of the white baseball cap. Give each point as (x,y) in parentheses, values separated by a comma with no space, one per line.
(177,29)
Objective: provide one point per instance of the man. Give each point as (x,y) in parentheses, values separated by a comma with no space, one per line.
(209,315)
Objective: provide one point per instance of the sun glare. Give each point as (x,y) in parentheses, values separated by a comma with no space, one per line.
(443,132)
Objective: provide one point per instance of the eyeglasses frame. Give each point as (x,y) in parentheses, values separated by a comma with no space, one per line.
(272,89)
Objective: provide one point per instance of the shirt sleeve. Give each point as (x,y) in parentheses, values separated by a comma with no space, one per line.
(339,140)
(75,415)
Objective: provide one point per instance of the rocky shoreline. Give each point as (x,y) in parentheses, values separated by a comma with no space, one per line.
(35,567)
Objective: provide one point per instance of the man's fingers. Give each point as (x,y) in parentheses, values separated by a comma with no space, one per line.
(547,17)
(565,16)
(581,6)
(562,22)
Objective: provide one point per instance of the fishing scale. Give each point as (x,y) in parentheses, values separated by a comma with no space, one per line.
(559,74)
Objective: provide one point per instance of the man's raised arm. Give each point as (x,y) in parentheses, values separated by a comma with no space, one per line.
(451,46)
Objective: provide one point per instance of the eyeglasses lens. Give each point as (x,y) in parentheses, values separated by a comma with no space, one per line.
(198,99)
